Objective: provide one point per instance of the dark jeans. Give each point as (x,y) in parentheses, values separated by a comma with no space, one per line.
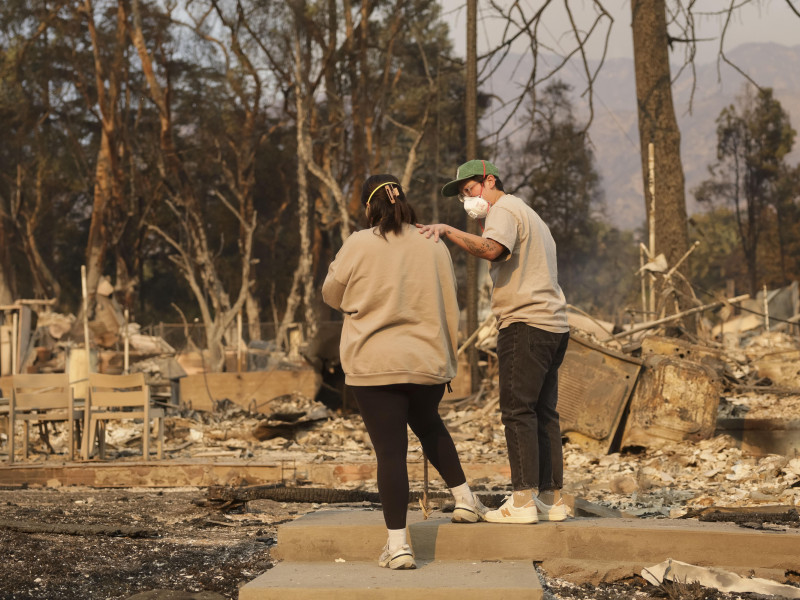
(529,359)
(386,411)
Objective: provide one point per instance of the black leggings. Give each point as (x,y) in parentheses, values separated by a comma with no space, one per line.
(386,411)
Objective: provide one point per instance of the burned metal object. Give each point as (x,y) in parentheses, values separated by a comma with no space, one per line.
(286,423)
(674,400)
(678,348)
(594,386)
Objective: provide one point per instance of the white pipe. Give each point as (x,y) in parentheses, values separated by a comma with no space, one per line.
(14,336)
(85,290)
(127,345)
(239,341)
(651,167)
(645,314)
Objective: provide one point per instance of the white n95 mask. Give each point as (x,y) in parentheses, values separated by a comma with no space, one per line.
(476,207)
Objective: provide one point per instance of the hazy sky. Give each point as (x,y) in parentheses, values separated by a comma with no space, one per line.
(759,21)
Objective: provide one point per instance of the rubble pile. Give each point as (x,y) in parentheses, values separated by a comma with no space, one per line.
(746,381)
(681,477)
(670,481)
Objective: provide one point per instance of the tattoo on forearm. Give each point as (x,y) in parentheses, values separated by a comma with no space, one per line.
(481,249)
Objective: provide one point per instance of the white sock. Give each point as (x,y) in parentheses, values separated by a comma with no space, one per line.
(397,538)
(550,497)
(462,493)
(523,497)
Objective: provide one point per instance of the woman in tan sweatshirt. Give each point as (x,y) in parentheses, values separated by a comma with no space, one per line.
(397,290)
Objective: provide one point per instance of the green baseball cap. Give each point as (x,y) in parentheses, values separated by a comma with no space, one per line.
(468,170)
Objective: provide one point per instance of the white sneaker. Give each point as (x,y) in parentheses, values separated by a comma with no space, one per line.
(469,513)
(508,513)
(402,558)
(551,512)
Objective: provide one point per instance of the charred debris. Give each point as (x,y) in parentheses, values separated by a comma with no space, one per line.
(669,417)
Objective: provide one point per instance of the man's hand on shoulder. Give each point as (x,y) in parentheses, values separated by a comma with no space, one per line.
(474,244)
(437,230)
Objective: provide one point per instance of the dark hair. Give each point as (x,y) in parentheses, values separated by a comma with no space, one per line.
(382,213)
(497,182)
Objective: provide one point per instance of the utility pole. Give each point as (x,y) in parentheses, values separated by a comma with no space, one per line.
(471,107)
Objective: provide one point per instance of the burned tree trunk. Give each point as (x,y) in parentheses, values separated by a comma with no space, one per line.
(302,282)
(108,177)
(7,274)
(657,124)
(27,220)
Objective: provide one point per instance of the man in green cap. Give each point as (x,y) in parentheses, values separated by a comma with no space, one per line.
(532,335)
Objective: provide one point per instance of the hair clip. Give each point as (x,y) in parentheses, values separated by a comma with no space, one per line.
(389,193)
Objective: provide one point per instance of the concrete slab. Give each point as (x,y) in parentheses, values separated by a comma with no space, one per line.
(332,553)
(357,535)
(432,580)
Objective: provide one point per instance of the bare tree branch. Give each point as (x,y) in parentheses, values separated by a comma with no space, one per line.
(793,8)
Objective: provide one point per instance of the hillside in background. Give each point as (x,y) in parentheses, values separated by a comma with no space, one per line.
(614,131)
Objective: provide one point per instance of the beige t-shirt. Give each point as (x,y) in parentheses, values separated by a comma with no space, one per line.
(525,280)
(398,296)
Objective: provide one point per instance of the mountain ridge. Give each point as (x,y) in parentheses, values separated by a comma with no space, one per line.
(614,129)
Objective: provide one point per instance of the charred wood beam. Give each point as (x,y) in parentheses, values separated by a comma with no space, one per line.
(82,529)
(232,495)
(778,514)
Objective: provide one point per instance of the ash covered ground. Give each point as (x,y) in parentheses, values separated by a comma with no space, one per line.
(172,544)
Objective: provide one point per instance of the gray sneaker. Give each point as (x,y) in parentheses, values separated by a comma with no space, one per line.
(551,512)
(469,513)
(402,558)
